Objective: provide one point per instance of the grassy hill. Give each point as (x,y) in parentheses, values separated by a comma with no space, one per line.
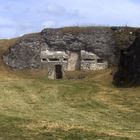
(35,108)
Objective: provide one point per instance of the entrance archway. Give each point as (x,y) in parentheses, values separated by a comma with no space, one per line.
(58,72)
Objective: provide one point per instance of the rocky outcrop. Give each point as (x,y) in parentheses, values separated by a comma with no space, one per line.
(25,53)
(94,39)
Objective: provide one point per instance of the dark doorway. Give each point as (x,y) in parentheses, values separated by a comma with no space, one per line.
(58,72)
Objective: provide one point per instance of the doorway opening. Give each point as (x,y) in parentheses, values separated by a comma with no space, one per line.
(58,72)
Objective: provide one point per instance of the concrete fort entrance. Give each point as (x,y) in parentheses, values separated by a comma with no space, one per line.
(58,72)
(58,62)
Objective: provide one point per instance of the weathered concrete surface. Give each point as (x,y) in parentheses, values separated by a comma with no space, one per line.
(49,59)
(90,61)
(74,61)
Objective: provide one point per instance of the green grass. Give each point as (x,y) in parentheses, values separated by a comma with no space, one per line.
(33,107)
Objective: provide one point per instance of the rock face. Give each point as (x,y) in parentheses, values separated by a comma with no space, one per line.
(97,40)
(25,53)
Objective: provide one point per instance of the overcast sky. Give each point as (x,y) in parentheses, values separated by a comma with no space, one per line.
(18,17)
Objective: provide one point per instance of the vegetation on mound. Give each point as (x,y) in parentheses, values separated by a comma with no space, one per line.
(5,44)
(125,36)
(86,29)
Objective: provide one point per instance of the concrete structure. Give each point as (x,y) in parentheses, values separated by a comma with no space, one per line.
(90,61)
(73,61)
(57,62)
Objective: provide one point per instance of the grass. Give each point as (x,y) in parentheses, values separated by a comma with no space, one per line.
(5,44)
(35,108)
(83,29)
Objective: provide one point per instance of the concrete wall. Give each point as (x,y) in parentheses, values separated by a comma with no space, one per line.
(49,59)
(90,61)
(74,61)
(51,69)
(70,61)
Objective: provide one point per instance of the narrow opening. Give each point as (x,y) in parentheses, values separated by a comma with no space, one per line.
(58,72)
(65,59)
(44,59)
(53,59)
(88,59)
(100,60)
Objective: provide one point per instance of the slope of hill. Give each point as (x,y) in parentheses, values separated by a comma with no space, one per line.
(35,108)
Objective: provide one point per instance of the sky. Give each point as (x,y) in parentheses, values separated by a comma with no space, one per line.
(18,17)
